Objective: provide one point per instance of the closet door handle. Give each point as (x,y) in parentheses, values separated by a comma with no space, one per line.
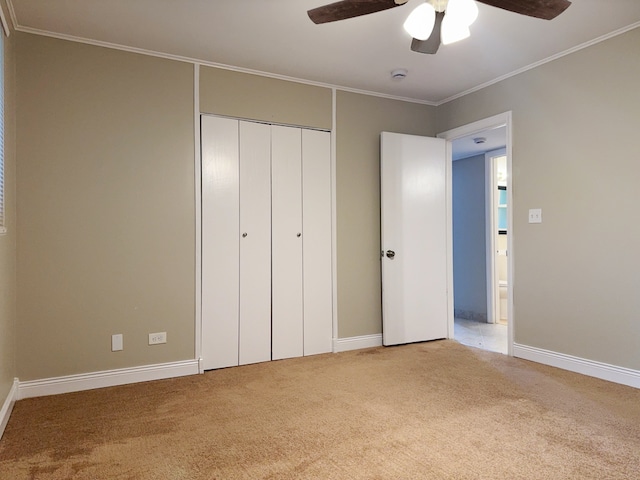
(391,254)
(244,235)
(299,235)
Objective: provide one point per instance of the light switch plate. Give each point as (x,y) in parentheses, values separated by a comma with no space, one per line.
(535,215)
(116,342)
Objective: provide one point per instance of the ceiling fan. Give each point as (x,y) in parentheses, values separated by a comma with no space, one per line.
(428,24)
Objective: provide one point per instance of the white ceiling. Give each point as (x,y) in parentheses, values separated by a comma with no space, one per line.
(276,37)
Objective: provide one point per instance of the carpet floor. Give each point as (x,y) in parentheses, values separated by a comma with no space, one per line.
(436,410)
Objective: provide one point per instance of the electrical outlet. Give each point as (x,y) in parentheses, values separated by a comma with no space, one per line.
(116,342)
(156,338)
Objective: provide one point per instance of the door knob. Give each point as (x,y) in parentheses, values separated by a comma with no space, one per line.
(391,253)
(299,235)
(244,235)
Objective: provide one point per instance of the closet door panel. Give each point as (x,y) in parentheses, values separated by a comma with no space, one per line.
(286,197)
(316,245)
(255,243)
(220,249)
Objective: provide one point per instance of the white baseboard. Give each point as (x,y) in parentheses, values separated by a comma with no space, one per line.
(7,406)
(108,378)
(604,371)
(356,343)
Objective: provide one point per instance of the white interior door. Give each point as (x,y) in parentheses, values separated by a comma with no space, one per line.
(286,197)
(414,238)
(220,246)
(254,342)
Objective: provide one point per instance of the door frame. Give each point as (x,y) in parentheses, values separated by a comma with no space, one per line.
(493,292)
(496,121)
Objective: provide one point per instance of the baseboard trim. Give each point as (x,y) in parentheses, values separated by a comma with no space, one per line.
(108,378)
(604,371)
(356,343)
(7,406)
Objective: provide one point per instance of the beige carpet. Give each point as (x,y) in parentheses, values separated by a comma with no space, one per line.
(428,411)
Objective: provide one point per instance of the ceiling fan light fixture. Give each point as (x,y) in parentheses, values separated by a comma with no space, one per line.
(419,24)
(453,31)
(465,12)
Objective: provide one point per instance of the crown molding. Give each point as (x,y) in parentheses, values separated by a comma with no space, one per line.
(205,63)
(12,13)
(541,62)
(3,18)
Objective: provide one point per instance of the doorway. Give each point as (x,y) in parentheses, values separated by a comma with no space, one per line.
(498,229)
(481,237)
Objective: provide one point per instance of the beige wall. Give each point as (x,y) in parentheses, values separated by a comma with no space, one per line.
(8,240)
(106,215)
(575,126)
(234,94)
(360,119)
(105,205)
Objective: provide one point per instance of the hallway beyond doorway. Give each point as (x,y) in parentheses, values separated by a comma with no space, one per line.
(487,336)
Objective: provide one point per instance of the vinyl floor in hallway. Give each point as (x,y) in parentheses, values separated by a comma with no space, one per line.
(488,336)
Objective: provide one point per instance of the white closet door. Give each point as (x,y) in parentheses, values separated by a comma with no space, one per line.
(255,243)
(220,249)
(286,198)
(316,242)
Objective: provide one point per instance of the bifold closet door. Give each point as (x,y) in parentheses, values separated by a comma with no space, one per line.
(266,242)
(255,243)
(236,241)
(286,230)
(220,246)
(316,241)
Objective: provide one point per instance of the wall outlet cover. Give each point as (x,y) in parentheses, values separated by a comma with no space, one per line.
(157,338)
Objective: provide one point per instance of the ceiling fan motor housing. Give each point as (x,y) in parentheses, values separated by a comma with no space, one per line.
(439,5)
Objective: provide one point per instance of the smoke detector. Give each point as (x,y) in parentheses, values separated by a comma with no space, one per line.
(399,74)
(479,140)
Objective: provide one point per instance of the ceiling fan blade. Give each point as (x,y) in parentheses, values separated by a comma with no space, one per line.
(545,9)
(431,44)
(349,9)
